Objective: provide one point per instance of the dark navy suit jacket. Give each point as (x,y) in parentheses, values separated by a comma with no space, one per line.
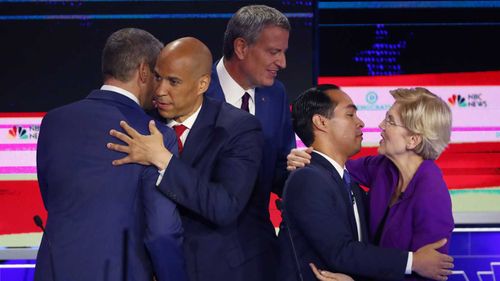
(273,111)
(91,204)
(319,217)
(213,180)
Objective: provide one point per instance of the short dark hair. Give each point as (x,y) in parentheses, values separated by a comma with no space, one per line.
(311,102)
(125,49)
(248,22)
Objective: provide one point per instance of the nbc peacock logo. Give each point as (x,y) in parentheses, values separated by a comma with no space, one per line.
(18,133)
(457,99)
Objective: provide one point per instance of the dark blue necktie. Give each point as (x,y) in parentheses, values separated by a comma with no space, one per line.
(347,181)
(244,102)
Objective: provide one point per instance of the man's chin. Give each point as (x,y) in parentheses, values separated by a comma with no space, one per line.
(266,82)
(358,149)
(165,114)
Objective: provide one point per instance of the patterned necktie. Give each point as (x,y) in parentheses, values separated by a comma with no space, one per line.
(347,181)
(244,102)
(179,129)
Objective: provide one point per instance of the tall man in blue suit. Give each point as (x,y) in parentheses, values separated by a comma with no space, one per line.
(254,47)
(214,177)
(104,222)
(324,215)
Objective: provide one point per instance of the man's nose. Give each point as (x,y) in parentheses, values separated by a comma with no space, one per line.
(281,62)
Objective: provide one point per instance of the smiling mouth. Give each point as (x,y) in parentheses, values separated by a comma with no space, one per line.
(273,72)
(162,105)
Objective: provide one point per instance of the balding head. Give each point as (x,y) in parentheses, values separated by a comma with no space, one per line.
(192,52)
(183,70)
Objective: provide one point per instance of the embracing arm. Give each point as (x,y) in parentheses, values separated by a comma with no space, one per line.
(163,235)
(221,196)
(433,218)
(315,208)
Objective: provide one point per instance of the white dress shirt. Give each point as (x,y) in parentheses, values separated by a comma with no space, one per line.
(233,92)
(340,170)
(188,123)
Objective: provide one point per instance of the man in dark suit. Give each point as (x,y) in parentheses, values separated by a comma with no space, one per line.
(254,47)
(324,216)
(213,178)
(104,222)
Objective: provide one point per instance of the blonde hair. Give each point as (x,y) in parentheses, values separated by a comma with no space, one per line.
(426,114)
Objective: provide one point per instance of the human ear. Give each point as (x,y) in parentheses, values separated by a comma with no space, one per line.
(240,48)
(414,141)
(143,72)
(203,83)
(319,122)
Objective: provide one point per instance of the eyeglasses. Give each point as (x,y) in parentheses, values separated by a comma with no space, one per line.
(387,120)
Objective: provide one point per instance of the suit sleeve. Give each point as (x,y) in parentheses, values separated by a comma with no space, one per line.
(163,236)
(286,143)
(221,197)
(317,210)
(40,161)
(433,218)
(364,169)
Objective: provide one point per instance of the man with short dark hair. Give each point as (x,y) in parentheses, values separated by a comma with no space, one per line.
(324,216)
(106,223)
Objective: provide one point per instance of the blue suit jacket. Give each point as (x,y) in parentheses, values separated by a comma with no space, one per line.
(319,217)
(213,179)
(92,204)
(273,111)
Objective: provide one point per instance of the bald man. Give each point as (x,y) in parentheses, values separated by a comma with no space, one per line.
(212,180)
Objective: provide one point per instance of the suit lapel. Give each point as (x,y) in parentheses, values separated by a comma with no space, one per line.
(261,104)
(358,194)
(201,132)
(340,187)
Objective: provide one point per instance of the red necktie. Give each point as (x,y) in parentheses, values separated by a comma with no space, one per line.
(179,129)
(244,102)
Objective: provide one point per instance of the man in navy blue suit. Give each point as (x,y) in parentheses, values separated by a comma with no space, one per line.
(324,215)
(104,222)
(214,177)
(255,43)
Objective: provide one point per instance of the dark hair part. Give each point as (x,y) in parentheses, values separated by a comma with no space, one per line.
(248,22)
(311,102)
(125,49)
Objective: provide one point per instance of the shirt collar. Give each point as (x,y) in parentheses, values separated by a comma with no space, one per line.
(189,122)
(120,91)
(336,165)
(232,90)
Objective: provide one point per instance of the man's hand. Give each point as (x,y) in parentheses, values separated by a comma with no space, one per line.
(432,264)
(141,149)
(298,158)
(324,275)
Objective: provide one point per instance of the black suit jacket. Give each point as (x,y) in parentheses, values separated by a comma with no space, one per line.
(319,217)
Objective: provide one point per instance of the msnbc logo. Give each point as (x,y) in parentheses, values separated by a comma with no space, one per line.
(457,99)
(18,132)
